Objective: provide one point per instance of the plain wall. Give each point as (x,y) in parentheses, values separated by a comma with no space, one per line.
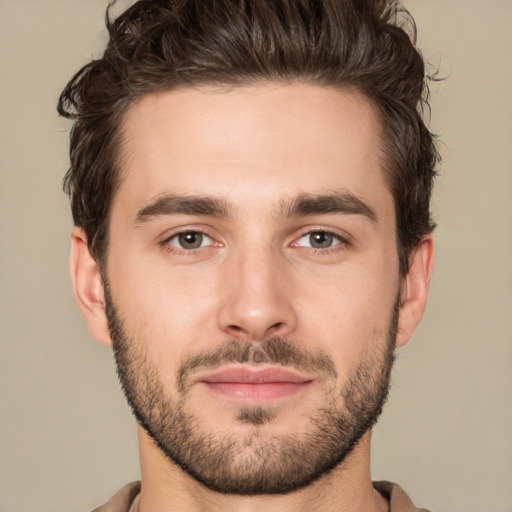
(67,439)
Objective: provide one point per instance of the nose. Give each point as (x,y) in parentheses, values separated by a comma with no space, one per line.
(256,297)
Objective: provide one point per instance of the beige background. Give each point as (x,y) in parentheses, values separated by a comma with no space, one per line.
(67,439)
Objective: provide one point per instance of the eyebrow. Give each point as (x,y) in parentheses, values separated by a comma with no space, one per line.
(337,203)
(302,206)
(184,205)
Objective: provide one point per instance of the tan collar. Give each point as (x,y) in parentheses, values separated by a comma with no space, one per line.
(123,500)
(398,499)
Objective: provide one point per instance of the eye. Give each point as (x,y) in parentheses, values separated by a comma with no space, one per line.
(190,240)
(319,240)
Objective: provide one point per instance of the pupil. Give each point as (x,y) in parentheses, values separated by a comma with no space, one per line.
(190,240)
(321,239)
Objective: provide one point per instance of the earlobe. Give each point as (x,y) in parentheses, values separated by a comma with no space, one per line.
(414,290)
(88,287)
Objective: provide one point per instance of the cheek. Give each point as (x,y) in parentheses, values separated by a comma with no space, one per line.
(349,313)
(171,311)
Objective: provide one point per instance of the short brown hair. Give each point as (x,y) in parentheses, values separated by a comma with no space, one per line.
(158,45)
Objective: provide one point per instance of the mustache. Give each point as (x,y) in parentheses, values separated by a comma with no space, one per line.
(275,350)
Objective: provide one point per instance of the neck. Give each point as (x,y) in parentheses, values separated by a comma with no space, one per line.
(166,488)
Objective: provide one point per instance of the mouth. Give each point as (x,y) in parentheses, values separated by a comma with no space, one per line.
(251,386)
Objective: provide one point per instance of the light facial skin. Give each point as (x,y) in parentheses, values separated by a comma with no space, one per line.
(252,282)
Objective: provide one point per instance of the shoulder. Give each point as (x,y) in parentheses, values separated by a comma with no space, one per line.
(122,500)
(398,499)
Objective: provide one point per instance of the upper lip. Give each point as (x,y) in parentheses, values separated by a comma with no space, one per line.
(252,375)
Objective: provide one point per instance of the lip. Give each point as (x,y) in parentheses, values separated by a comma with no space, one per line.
(254,386)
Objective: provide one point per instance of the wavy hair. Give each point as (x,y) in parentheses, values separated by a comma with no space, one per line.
(158,45)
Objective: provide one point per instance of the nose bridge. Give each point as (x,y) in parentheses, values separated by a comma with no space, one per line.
(256,303)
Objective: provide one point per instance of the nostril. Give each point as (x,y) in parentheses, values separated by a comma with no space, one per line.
(274,329)
(235,329)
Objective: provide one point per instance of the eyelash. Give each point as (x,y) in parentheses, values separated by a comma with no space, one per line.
(166,244)
(342,242)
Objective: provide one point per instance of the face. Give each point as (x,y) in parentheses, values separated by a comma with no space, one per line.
(253,280)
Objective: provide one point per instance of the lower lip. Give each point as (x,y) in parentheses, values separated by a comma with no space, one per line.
(257,393)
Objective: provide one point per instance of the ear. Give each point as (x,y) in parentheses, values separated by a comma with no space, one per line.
(414,289)
(88,287)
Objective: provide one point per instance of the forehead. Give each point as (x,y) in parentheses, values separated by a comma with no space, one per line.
(252,144)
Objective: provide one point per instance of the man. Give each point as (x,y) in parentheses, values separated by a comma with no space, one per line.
(250,184)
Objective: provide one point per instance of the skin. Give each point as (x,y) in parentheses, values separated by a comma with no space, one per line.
(256,148)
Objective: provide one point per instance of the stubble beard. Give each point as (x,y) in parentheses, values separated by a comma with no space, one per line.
(254,464)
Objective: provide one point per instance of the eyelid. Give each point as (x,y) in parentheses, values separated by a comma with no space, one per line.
(176,232)
(336,240)
(342,238)
(176,236)
(186,228)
